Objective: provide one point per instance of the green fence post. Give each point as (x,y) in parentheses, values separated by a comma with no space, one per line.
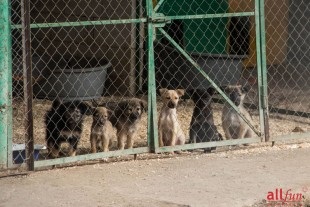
(152,108)
(261,67)
(5,67)
(264,88)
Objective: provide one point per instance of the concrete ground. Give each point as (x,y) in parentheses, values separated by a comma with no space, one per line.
(241,177)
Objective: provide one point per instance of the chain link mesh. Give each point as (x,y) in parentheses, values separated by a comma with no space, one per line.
(78,54)
(287,47)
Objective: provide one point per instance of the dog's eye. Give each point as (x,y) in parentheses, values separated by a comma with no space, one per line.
(138,109)
(176,98)
(168,97)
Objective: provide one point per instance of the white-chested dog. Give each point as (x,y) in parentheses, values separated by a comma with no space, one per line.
(234,126)
(169,129)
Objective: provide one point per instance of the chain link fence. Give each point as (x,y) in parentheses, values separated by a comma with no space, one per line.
(91,71)
(287,53)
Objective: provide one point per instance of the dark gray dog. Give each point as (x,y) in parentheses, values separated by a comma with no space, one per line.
(202,128)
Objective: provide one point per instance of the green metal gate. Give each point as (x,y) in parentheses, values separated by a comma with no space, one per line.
(122,31)
(156,24)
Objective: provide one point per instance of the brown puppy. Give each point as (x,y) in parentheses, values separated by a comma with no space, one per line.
(126,118)
(101,130)
(233,125)
(169,129)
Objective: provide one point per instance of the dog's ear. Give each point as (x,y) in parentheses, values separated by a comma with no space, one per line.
(224,88)
(110,113)
(143,105)
(122,105)
(191,91)
(94,103)
(180,92)
(211,91)
(246,88)
(193,94)
(162,91)
(95,112)
(120,108)
(56,103)
(84,108)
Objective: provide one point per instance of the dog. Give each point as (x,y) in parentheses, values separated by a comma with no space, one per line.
(64,124)
(202,128)
(101,130)
(126,119)
(233,125)
(169,129)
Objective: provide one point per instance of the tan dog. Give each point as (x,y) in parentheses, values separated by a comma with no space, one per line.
(233,125)
(126,118)
(169,129)
(101,130)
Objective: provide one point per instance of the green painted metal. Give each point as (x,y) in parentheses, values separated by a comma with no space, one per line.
(208,78)
(81,23)
(5,67)
(10,105)
(264,84)
(208,16)
(154,22)
(209,144)
(66,160)
(211,32)
(291,136)
(259,66)
(262,68)
(158,5)
(128,21)
(152,108)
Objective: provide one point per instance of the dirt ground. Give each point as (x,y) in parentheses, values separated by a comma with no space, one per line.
(236,177)
(278,125)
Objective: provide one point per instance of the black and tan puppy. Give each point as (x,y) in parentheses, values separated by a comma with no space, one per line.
(202,128)
(64,124)
(169,129)
(126,118)
(233,125)
(101,130)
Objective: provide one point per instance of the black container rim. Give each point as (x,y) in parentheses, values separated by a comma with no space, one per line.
(83,70)
(207,55)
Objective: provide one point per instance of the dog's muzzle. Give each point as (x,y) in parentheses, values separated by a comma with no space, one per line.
(134,116)
(171,105)
(235,99)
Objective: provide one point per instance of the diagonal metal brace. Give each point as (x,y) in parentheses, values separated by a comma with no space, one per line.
(210,80)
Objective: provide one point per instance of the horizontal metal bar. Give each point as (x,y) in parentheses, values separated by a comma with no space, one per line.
(81,23)
(292,136)
(128,21)
(65,160)
(208,16)
(209,144)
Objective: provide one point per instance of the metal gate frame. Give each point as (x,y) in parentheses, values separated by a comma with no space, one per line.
(158,20)
(153,20)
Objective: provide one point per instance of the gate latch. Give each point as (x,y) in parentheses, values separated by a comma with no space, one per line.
(160,20)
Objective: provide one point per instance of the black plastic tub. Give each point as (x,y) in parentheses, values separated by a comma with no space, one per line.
(73,79)
(173,70)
